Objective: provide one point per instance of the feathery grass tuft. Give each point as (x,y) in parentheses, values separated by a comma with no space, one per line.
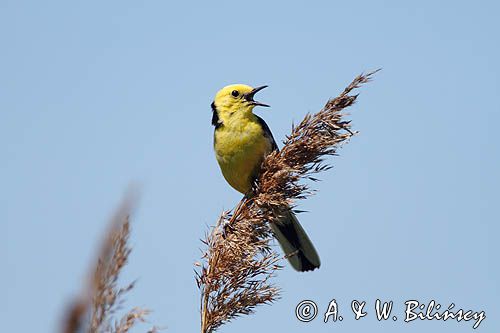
(239,260)
(94,311)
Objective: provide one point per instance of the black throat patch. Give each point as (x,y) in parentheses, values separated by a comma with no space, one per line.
(215,117)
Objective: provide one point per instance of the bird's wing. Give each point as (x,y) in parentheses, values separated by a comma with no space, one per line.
(267,133)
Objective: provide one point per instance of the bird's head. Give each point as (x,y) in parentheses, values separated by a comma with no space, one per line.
(235,98)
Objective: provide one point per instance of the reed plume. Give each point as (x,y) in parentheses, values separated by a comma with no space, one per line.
(94,310)
(239,261)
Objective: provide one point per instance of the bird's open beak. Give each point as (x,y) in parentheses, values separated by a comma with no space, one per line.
(251,94)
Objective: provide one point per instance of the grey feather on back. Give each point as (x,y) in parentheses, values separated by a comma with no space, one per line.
(267,133)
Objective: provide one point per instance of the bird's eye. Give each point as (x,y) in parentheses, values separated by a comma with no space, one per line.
(235,93)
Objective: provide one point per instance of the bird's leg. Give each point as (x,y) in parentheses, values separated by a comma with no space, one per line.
(227,226)
(237,210)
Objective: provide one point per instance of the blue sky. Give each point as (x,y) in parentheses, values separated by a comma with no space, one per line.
(97,95)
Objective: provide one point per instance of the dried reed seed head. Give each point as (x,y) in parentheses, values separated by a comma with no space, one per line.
(103,297)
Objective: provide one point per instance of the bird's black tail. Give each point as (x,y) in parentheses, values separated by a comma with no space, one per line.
(295,243)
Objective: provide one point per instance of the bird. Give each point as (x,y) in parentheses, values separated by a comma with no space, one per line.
(242,140)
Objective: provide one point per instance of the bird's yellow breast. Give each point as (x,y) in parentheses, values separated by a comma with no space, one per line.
(240,148)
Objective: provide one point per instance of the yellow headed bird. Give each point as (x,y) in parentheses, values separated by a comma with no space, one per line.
(241,142)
